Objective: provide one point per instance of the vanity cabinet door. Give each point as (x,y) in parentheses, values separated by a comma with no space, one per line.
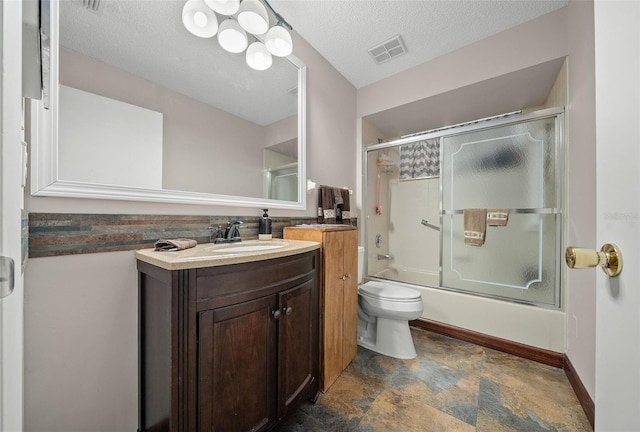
(340,255)
(350,298)
(338,296)
(332,254)
(297,346)
(237,367)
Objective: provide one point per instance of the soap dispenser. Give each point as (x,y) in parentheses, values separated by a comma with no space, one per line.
(264,228)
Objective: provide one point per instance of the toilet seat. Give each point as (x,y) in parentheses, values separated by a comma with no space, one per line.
(389,292)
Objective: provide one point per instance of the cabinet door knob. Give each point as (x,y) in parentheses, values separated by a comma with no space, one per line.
(287,310)
(348,276)
(276,314)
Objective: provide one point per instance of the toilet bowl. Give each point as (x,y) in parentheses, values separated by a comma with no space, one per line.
(384,311)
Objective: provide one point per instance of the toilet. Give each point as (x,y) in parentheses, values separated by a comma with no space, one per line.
(384,311)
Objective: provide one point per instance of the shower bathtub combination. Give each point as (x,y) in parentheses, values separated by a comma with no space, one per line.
(475,209)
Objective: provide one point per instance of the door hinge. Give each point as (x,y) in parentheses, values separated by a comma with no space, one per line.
(7,278)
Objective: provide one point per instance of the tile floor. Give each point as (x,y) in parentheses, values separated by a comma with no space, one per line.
(451,386)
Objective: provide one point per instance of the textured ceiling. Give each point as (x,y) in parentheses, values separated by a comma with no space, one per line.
(343,30)
(143,36)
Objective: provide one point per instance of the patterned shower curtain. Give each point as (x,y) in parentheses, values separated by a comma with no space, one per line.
(420,159)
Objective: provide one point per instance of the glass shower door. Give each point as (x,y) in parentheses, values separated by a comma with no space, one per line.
(515,169)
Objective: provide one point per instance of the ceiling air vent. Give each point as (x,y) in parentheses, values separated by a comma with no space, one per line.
(387,50)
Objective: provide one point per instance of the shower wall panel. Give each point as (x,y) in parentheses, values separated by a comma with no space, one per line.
(415,247)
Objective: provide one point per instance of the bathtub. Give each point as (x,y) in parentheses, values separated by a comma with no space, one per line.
(424,278)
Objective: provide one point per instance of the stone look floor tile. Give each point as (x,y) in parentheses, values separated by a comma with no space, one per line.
(395,411)
(450,390)
(454,353)
(533,390)
(451,386)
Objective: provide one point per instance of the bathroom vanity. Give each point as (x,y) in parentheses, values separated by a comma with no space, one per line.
(228,338)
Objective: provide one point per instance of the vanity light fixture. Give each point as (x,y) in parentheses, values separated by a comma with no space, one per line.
(232,37)
(224,7)
(278,41)
(253,17)
(258,57)
(199,17)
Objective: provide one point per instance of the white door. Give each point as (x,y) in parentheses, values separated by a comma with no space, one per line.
(11,203)
(617,49)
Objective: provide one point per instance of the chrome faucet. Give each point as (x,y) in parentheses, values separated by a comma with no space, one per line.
(384,257)
(232,232)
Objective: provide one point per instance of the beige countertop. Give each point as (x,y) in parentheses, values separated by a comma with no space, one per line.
(210,254)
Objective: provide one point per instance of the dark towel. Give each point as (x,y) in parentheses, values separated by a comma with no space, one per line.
(174,244)
(475,226)
(326,205)
(497,217)
(346,206)
(337,196)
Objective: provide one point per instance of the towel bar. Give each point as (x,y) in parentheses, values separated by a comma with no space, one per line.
(514,211)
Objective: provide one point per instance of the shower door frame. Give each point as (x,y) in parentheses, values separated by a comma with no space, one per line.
(503,120)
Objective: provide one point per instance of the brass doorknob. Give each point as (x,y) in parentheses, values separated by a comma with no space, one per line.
(609,258)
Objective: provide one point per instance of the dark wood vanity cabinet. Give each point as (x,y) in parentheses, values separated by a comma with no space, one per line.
(227,348)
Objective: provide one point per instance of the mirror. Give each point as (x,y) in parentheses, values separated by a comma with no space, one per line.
(141,109)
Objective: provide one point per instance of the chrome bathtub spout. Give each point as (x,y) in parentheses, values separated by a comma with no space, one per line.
(384,257)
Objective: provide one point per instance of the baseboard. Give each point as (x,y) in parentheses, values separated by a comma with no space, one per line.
(588,406)
(539,355)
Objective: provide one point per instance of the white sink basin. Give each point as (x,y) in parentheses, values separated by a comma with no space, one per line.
(246,248)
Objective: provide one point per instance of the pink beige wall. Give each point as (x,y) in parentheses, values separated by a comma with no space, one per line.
(81,310)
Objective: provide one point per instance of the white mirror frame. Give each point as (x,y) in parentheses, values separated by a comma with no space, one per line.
(44,153)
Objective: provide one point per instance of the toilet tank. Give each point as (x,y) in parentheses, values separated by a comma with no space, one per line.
(360,263)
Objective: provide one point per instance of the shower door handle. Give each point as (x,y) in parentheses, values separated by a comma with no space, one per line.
(609,258)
